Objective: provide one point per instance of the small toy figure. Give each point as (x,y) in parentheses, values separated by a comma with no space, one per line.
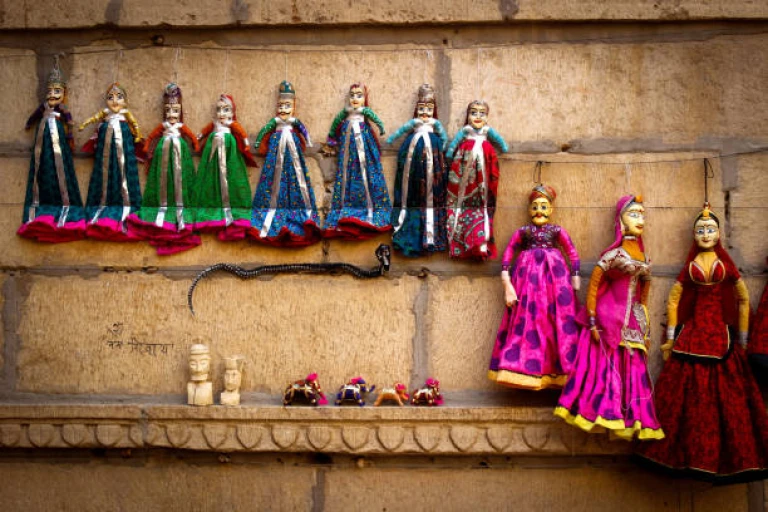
(708,401)
(53,207)
(353,390)
(396,393)
(306,390)
(473,182)
(223,196)
(538,337)
(284,211)
(233,379)
(418,216)
(360,207)
(428,395)
(114,191)
(171,178)
(199,387)
(609,386)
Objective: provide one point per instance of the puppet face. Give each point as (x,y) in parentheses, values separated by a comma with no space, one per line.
(478,116)
(172,112)
(706,232)
(285,108)
(540,211)
(633,220)
(223,111)
(54,95)
(232,380)
(115,100)
(199,366)
(356,97)
(425,111)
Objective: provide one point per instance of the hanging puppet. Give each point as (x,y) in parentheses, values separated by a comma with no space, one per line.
(53,207)
(360,206)
(114,191)
(223,196)
(418,216)
(165,217)
(538,337)
(609,386)
(473,182)
(709,403)
(758,346)
(284,211)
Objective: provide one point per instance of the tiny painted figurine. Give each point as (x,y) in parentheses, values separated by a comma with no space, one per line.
(396,393)
(609,386)
(53,207)
(418,214)
(538,337)
(758,345)
(233,379)
(473,182)
(360,206)
(708,401)
(199,387)
(354,391)
(284,211)
(428,395)
(305,391)
(166,218)
(223,195)
(114,191)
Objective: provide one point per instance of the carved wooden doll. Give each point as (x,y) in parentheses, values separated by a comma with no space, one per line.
(166,217)
(418,216)
(53,207)
(473,182)
(284,211)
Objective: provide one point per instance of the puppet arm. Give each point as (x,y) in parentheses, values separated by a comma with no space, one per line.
(497,139)
(370,114)
(407,127)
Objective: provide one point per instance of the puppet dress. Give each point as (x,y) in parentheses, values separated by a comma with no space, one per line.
(473,182)
(284,213)
(708,401)
(758,344)
(53,207)
(114,191)
(418,215)
(609,386)
(223,196)
(537,341)
(165,218)
(360,205)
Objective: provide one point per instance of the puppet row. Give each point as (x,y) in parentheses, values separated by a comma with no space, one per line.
(436,206)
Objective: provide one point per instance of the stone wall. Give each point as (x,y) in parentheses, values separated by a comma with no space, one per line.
(619,97)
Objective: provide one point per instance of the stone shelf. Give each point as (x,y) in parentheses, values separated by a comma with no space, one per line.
(349,430)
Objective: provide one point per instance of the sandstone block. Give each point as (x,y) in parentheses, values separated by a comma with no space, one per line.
(18,75)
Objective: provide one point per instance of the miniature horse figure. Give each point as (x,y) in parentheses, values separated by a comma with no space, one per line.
(353,390)
(428,395)
(396,393)
(308,390)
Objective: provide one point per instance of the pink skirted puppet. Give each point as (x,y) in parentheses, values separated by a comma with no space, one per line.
(473,182)
(165,217)
(609,386)
(538,337)
(114,191)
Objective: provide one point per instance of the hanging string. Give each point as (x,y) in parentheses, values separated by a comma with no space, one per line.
(478,85)
(427,59)
(285,57)
(117,66)
(176,57)
(537,172)
(709,172)
(226,73)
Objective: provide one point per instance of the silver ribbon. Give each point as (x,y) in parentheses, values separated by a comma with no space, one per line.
(113,130)
(171,147)
(421,132)
(286,142)
(478,159)
(218,146)
(49,117)
(353,130)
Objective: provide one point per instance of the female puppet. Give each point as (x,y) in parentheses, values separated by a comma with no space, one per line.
(223,196)
(537,341)
(284,211)
(709,403)
(113,192)
(418,215)
(609,386)
(472,185)
(165,217)
(758,346)
(360,206)
(53,207)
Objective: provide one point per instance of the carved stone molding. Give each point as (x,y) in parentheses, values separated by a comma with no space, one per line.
(469,431)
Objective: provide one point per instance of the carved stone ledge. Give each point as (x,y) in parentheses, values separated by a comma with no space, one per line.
(438,431)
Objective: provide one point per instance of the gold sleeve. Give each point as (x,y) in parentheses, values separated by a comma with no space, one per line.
(134,126)
(742,295)
(98,117)
(594,283)
(672,302)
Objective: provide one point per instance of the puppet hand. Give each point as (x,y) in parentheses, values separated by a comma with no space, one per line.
(743,339)
(510,296)
(666,349)
(576,282)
